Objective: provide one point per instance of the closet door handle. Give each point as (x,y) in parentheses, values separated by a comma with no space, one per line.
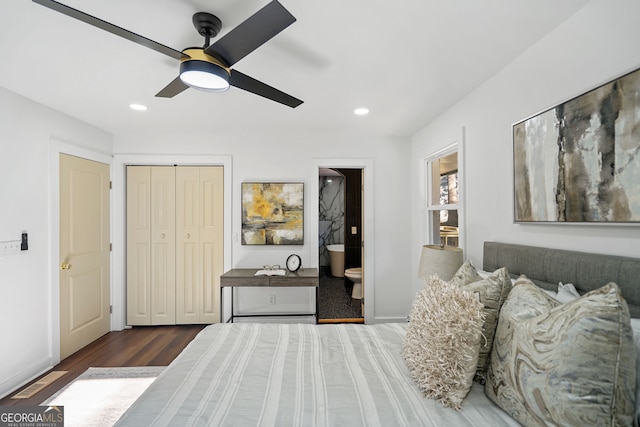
(65,266)
(162,235)
(188,236)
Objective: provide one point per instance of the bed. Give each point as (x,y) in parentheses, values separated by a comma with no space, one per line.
(333,375)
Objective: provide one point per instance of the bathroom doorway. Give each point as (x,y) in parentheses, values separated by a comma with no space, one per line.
(340,249)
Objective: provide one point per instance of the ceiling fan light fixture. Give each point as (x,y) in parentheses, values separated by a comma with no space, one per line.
(204,76)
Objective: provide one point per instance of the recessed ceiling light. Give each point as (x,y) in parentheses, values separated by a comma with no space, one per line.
(361,111)
(138,107)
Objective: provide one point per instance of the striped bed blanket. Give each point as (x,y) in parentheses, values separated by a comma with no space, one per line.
(260,374)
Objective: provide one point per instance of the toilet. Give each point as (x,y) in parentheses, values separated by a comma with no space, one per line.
(355,275)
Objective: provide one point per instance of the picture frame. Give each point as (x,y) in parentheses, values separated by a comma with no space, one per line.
(579,161)
(272,213)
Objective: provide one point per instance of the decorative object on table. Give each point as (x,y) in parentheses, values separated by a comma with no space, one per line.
(271,270)
(272,213)
(579,161)
(294,262)
(441,260)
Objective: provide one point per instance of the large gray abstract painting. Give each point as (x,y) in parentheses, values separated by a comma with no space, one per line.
(580,161)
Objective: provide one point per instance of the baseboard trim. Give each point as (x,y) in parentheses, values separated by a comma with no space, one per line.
(24,377)
(389,320)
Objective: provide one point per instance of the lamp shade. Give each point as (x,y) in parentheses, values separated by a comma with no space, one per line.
(441,260)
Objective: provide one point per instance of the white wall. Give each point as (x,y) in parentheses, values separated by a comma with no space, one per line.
(285,157)
(598,43)
(26,129)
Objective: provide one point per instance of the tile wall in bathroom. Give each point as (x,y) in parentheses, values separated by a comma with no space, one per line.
(331,214)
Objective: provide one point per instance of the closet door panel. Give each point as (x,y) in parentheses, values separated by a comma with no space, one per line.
(212,241)
(174,244)
(138,245)
(163,245)
(188,255)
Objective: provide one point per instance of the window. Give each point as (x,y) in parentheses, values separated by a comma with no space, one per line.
(442,187)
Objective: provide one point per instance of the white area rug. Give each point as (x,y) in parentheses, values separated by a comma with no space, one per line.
(99,396)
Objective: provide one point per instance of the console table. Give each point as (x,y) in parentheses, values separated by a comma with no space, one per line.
(245,277)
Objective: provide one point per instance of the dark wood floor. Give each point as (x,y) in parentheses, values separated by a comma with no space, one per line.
(139,346)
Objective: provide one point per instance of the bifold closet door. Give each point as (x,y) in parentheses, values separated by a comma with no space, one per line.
(138,245)
(150,245)
(163,245)
(199,251)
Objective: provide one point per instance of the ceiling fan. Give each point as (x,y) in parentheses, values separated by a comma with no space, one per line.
(209,68)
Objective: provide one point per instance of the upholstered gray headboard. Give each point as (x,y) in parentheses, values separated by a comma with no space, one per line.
(587,271)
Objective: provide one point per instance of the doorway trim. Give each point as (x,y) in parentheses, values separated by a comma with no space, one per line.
(118,256)
(57,147)
(366,164)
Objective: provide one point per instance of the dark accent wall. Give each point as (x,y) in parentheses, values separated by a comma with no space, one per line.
(352,216)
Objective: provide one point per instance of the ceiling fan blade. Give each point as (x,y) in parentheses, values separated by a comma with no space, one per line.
(242,81)
(113,29)
(252,33)
(172,89)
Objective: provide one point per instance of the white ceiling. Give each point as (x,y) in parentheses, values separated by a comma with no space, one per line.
(407,61)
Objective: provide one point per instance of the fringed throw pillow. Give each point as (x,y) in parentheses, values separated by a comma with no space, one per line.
(443,341)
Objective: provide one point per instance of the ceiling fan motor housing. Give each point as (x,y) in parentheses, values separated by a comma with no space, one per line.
(206,24)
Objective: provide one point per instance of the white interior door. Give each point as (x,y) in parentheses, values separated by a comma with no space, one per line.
(84,252)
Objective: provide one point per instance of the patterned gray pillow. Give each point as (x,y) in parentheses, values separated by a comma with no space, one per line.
(564,364)
(467,273)
(492,292)
(443,341)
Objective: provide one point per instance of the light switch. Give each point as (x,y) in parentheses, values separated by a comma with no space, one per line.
(10,247)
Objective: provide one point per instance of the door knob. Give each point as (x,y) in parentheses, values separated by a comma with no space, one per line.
(65,266)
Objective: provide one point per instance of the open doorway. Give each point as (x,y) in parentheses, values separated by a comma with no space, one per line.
(340,249)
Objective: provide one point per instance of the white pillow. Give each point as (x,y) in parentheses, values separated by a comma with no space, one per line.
(566,293)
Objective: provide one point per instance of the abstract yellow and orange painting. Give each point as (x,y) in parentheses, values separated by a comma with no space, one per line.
(272,213)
